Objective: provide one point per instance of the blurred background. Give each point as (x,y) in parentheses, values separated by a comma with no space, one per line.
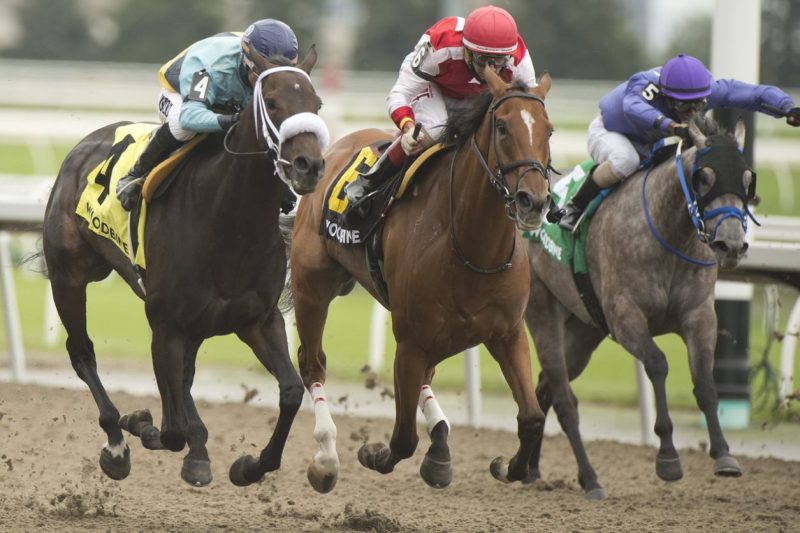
(68,67)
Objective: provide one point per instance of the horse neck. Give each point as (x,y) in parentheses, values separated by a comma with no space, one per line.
(482,227)
(246,185)
(666,201)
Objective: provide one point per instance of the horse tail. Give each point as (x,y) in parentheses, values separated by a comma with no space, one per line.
(286,225)
(35,261)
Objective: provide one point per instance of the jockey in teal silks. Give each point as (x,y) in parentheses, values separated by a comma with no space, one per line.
(214,73)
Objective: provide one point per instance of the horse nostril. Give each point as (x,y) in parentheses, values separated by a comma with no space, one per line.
(524,201)
(722,246)
(301,164)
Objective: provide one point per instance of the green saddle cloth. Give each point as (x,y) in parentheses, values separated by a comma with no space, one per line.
(568,248)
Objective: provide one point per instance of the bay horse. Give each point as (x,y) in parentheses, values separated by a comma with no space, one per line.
(216,264)
(653,266)
(456,271)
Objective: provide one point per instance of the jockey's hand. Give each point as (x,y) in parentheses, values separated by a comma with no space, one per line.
(680,129)
(226,121)
(793,117)
(410,144)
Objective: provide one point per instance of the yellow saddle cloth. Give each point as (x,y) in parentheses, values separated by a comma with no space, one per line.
(99,205)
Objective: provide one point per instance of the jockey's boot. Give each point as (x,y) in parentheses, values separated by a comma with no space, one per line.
(573,211)
(161,144)
(365,183)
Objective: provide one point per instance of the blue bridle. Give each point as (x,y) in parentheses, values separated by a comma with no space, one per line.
(698,216)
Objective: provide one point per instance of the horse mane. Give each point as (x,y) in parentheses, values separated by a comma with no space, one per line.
(462,123)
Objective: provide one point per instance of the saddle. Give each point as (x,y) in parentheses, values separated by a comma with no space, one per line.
(362,224)
(98,204)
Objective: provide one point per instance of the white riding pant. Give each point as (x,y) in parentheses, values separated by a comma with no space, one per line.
(431,109)
(169,111)
(618,150)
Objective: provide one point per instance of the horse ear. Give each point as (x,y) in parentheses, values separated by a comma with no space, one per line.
(261,62)
(495,82)
(310,59)
(739,133)
(545,82)
(697,136)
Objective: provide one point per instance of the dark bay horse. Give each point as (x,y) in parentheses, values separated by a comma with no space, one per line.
(456,270)
(216,264)
(653,268)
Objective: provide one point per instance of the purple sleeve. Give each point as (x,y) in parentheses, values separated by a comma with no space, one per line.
(735,93)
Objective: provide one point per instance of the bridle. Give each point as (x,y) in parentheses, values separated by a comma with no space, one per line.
(696,205)
(304,122)
(498,180)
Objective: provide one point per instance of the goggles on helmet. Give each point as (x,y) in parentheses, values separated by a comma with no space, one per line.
(688,106)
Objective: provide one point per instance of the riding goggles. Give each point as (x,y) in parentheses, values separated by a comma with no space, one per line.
(688,106)
(498,61)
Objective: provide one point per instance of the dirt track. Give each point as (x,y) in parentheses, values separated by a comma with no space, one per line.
(50,481)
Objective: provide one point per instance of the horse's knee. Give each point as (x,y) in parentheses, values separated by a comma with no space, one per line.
(655,365)
(706,396)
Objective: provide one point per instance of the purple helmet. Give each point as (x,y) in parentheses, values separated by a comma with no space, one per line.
(268,37)
(685,78)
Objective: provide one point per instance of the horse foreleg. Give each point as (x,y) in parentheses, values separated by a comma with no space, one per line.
(410,367)
(70,302)
(632,333)
(513,355)
(173,362)
(700,340)
(435,468)
(268,342)
(313,292)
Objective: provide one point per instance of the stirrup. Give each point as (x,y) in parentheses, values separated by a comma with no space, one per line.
(357,189)
(129,192)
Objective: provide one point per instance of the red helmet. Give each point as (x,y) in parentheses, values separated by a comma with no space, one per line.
(490,30)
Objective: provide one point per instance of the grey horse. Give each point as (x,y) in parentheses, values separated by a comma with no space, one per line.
(653,271)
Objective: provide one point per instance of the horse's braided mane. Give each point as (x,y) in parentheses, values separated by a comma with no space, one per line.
(463,123)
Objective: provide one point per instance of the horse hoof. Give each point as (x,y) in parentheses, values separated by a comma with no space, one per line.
(238,471)
(151,438)
(499,469)
(728,466)
(135,422)
(669,469)
(196,472)
(437,474)
(116,468)
(597,494)
(323,482)
(373,455)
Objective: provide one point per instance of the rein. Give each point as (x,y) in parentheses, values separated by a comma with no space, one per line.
(498,181)
(274,137)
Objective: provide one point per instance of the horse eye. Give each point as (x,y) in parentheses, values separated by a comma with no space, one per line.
(271,105)
(703,181)
(502,128)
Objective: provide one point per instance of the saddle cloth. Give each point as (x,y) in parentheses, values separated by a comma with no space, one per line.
(352,227)
(567,248)
(98,203)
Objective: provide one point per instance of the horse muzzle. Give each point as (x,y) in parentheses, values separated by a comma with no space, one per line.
(530,210)
(729,252)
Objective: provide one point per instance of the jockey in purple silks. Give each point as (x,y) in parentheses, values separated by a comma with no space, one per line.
(658,103)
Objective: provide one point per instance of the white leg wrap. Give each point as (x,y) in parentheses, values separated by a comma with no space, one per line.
(324,431)
(118,450)
(430,408)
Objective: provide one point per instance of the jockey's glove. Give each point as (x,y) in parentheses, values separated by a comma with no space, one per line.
(413,140)
(793,117)
(680,129)
(226,121)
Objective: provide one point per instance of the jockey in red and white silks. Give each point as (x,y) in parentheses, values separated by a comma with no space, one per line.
(438,75)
